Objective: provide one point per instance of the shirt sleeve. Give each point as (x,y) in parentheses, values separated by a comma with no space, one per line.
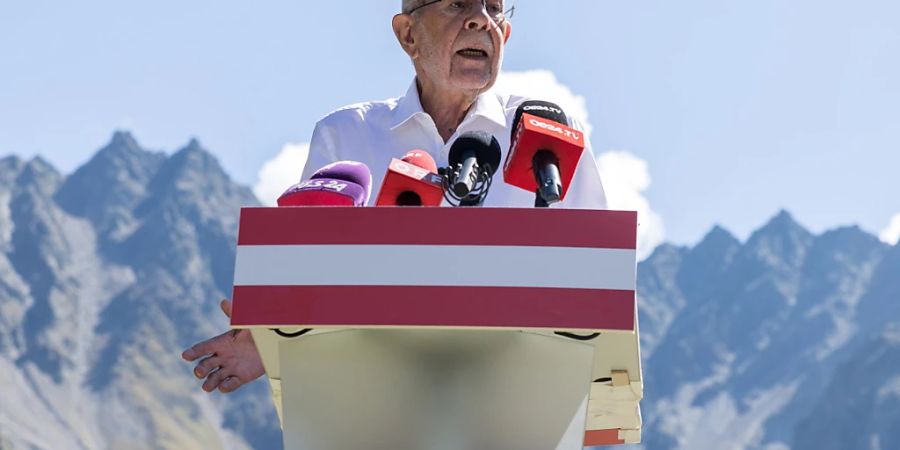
(322,150)
(586,191)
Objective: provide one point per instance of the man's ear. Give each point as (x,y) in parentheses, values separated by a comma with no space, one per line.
(507,32)
(402,24)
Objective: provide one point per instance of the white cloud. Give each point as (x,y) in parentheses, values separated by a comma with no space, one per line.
(891,234)
(542,84)
(625,176)
(280,173)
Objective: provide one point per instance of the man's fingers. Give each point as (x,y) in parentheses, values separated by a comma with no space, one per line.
(207,347)
(206,366)
(226,307)
(199,349)
(210,366)
(230,384)
(213,380)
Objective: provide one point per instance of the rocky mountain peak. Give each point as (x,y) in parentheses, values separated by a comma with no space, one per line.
(10,167)
(781,243)
(10,161)
(717,248)
(782,224)
(122,154)
(38,176)
(194,145)
(122,139)
(666,252)
(706,262)
(115,180)
(194,158)
(718,237)
(192,180)
(846,245)
(191,167)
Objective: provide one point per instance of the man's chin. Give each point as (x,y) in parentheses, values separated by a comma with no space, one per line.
(473,81)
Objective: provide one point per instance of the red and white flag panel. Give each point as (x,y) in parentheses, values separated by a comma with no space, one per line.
(436,267)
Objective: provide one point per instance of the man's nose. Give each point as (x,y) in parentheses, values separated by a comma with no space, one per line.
(478,17)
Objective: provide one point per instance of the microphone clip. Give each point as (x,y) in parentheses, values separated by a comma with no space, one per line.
(481,180)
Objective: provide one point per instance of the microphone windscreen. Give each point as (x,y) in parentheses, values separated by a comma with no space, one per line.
(420,159)
(344,183)
(411,181)
(352,171)
(540,127)
(539,108)
(483,144)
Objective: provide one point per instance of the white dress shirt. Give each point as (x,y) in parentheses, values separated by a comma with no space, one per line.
(372,133)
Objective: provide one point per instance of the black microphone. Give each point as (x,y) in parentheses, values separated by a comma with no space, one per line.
(474,158)
(544,151)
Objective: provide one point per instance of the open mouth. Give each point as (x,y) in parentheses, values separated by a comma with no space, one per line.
(473,53)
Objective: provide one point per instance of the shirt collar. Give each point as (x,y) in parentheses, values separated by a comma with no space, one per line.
(487,105)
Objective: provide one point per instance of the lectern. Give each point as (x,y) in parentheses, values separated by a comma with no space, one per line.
(444,328)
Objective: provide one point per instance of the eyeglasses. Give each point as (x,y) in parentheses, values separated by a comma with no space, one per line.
(494,9)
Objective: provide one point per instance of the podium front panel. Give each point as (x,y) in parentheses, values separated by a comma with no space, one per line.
(435,390)
(456,268)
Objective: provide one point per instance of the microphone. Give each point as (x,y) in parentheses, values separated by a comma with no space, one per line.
(544,152)
(474,158)
(411,181)
(344,183)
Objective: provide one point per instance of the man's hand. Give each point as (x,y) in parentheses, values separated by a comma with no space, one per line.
(229,360)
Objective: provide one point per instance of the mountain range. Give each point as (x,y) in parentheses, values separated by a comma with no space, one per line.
(787,340)
(105,274)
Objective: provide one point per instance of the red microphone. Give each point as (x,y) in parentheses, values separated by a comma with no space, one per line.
(544,152)
(412,181)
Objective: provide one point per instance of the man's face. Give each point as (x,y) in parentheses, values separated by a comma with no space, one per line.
(457,44)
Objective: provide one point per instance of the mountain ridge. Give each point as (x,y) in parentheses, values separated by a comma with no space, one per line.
(121,270)
(771,326)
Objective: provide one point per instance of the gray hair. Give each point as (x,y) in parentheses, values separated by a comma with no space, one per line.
(408,5)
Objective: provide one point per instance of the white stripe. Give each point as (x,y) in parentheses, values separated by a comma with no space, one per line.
(421,265)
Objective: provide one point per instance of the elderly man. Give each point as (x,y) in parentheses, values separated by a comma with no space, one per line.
(456,48)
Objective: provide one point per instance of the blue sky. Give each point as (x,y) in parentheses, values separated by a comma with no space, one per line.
(739,108)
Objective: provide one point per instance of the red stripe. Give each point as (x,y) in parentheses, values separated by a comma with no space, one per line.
(602,437)
(500,307)
(439,226)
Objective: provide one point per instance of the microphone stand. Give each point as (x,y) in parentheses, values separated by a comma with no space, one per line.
(539,201)
(477,196)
